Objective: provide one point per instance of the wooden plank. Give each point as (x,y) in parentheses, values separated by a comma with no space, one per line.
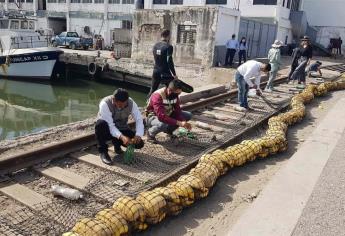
(24,195)
(220,116)
(64,176)
(211,121)
(80,182)
(120,169)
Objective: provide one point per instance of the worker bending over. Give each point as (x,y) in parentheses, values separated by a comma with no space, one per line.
(244,74)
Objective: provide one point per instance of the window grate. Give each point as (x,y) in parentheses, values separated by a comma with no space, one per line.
(186,34)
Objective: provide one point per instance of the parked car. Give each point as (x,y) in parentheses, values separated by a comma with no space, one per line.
(72,40)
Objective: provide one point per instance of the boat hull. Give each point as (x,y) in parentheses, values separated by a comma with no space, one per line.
(35,65)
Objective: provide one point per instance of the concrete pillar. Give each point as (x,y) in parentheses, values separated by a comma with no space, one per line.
(34,6)
(148,4)
(68,23)
(6,5)
(106,30)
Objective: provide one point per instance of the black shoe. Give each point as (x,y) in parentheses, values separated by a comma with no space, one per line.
(106,158)
(118,150)
(151,139)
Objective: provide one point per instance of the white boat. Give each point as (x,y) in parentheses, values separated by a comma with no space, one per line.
(24,53)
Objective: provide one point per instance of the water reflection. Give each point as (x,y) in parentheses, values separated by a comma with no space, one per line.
(30,107)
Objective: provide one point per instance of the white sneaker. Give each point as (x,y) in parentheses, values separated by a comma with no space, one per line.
(239,108)
(268,90)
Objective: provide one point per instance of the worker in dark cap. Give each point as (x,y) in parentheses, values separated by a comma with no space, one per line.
(306,53)
(164,113)
(113,114)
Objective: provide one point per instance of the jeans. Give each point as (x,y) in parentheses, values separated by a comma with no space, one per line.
(155,126)
(229,53)
(103,135)
(242,54)
(157,80)
(273,75)
(299,72)
(293,68)
(243,89)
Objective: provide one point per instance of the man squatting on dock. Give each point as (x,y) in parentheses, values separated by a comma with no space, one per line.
(164,69)
(248,70)
(164,113)
(112,124)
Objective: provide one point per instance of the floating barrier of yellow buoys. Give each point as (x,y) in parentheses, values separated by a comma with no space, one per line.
(151,207)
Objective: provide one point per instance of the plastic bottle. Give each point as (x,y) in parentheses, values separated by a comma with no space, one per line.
(68,193)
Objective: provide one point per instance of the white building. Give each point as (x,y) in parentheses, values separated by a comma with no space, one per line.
(94,16)
(269,11)
(328,17)
(103,16)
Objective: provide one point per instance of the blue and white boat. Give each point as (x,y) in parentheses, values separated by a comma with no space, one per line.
(24,53)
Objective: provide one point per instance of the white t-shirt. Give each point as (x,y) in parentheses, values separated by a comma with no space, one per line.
(251,69)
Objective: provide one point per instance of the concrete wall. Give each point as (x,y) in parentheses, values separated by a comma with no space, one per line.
(228,24)
(328,17)
(325,12)
(149,4)
(324,34)
(148,24)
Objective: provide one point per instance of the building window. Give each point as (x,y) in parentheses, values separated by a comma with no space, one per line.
(216,2)
(30,1)
(10,0)
(160,1)
(51,1)
(265,2)
(114,2)
(126,24)
(75,1)
(186,34)
(62,1)
(2,0)
(127,1)
(4,24)
(176,2)
(23,25)
(86,1)
(14,24)
(99,1)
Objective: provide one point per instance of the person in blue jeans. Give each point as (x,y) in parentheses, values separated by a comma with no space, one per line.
(244,74)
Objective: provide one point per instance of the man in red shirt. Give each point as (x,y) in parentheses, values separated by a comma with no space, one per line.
(164,113)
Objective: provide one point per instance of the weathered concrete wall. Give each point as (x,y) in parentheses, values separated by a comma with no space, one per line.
(148,24)
(324,34)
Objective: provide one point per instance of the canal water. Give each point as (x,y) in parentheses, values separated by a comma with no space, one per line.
(30,107)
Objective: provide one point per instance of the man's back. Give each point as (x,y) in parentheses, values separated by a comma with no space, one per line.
(161,51)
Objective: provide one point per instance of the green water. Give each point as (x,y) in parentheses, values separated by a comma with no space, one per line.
(30,107)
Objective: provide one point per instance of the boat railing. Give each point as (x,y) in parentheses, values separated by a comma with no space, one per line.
(20,42)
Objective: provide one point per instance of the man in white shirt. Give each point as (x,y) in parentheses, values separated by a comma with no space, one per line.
(113,114)
(244,74)
(231,48)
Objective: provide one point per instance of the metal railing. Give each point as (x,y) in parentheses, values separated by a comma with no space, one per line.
(20,42)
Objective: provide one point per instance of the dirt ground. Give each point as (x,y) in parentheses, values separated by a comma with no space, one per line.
(234,192)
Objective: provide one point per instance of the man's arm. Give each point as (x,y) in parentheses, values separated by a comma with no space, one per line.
(139,124)
(247,77)
(159,110)
(106,115)
(170,60)
(178,111)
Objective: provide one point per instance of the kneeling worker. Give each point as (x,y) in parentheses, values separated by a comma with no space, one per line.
(113,114)
(245,72)
(164,113)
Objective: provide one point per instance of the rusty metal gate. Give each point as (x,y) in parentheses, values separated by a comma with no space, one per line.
(260,36)
(122,42)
